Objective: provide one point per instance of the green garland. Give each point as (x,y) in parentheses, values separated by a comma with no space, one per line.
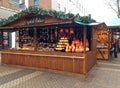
(53,13)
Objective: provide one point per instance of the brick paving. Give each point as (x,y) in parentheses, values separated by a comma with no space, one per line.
(101,76)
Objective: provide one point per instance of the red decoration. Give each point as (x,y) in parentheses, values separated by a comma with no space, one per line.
(98,33)
(61,30)
(80,43)
(71,31)
(66,30)
(55,32)
(5,42)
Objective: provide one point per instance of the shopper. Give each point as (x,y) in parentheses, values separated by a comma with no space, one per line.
(115,45)
(111,50)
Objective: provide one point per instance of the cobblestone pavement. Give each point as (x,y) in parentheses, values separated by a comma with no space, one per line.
(103,75)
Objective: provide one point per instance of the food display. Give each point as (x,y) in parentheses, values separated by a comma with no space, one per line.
(62,43)
(63,39)
(76,46)
(46,47)
(25,40)
(102,38)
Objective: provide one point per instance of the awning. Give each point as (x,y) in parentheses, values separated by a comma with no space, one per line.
(89,24)
(114,23)
(96,25)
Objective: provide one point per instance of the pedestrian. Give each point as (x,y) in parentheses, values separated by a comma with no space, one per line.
(115,45)
(111,50)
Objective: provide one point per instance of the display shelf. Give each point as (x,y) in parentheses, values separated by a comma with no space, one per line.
(25,40)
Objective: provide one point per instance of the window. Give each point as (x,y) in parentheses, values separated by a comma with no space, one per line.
(36,2)
(14,1)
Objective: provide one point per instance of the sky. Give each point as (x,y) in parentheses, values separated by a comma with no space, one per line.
(101,12)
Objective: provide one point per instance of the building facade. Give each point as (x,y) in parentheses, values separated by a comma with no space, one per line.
(72,6)
(68,6)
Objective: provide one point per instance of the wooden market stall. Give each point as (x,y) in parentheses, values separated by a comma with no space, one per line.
(114,27)
(47,42)
(104,37)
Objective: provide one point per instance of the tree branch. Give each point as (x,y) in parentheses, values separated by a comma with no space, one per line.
(111,6)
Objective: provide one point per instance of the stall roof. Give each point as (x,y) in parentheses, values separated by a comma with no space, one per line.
(114,23)
(29,26)
(96,25)
(89,24)
(53,13)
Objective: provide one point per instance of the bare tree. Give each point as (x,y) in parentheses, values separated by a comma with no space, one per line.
(115,6)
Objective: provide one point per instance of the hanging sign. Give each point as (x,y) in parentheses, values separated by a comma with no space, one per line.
(34,20)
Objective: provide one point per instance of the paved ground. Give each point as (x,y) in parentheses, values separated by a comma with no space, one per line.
(103,75)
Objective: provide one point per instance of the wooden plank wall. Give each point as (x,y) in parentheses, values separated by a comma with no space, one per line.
(61,64)
(91,60)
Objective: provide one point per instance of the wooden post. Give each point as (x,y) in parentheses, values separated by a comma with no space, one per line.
(84,43)
(94,39)
(35,39)
(94,42)
(109,42)
(84,39)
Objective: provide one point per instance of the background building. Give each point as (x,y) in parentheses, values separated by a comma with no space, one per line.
(68,6)
(5,13)
(72,6)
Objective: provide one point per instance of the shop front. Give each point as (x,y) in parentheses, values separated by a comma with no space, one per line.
(51,43)
(114,26)
(104,42)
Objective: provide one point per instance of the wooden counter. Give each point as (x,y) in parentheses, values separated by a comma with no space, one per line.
(62,61)
(68,62)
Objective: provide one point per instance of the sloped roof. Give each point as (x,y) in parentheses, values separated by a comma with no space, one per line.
(89,24)
(53,13)
(114,23)
(96,25)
